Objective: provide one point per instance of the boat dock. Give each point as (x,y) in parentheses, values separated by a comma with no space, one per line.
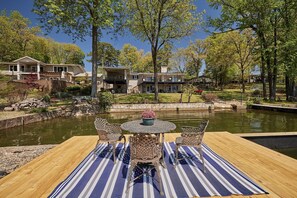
(274,172)
(274,108)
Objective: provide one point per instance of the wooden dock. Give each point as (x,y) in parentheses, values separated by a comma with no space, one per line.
(274,172)
(274,108)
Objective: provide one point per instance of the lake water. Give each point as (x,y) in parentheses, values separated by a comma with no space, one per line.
(58,130)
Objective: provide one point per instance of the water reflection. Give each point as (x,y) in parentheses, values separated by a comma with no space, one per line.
(58,130)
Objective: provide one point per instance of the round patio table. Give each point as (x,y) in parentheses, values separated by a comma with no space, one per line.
(159,127)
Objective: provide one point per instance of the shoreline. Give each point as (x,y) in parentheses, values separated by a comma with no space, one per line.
(13,157)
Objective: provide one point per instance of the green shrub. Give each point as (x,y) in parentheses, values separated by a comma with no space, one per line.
(257,92)
(105,100)
(73,88)
(86,91)
(62,95)
(46,98)
(257,101)
(39,110)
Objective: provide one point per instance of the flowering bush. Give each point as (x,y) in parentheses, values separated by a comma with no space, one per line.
(148,114)
(198,91)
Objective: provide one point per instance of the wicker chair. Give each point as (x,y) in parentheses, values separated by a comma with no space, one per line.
(145,150)
(110,133)
(192,136)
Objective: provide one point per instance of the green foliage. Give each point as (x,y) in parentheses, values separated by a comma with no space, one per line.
(74,88)
(18,39)
(105,100)
(80,18)
(135,59)
(220,60)
(108,56)
(86,90)
(62,95)
(149,98)
(46,98)
(38,110)
(160,22)
(15,35)
(256,93)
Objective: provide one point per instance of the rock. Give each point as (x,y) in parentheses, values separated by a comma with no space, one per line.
(13,157)
(8,109)
(3,173)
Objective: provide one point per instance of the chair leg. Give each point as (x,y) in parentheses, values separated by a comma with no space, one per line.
(176,154)
(129,176)
(202,159)
(157,166)
(123,137)
(113,149)
(94,152)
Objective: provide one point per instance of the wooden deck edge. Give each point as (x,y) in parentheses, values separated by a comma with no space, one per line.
(266,134)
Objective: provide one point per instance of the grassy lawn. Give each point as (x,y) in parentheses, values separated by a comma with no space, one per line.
(149,98)
(230,94)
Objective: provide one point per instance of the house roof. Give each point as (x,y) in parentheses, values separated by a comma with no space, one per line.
(84,74)
(164,74)
(71,65)
(115,68)
(28,59)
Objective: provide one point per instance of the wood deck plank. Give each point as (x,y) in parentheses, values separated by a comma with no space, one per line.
(273,171)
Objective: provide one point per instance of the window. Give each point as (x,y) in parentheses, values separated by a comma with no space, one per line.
(33,69)
(13,68)
(134,77)
(41,69)
(22,68)
(60,69)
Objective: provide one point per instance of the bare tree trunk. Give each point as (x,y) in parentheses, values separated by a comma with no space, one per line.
(242,81)
(154,57)
(94,60)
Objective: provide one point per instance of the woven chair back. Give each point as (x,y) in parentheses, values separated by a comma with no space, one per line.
(144,147)
(194,135)
(101,127)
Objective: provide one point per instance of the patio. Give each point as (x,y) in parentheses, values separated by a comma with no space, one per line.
(274,172)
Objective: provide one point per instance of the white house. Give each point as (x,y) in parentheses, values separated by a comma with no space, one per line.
(27,67)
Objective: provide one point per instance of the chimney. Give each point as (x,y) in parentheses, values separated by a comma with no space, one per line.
(164,69)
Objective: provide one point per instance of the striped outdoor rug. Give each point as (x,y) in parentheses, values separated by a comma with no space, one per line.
(99,177)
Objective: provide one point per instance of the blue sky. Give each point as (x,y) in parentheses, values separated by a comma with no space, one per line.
(25,8)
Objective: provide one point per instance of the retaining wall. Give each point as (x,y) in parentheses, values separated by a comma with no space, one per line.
(160,106)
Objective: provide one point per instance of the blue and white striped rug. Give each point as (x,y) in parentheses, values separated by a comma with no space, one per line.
(100,177)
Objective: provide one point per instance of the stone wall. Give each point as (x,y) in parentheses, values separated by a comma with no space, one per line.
(161,106)
(30,118)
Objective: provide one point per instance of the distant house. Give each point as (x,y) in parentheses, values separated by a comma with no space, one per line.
(121,80)
(27,67)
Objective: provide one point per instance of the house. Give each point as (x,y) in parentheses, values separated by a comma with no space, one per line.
(121,80)
(30,68)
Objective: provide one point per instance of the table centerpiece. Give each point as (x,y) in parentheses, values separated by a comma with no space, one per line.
(148,117)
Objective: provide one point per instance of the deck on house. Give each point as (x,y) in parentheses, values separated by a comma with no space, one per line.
(275,172)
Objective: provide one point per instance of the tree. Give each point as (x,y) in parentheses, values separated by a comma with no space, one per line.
(160,22)
(108,56)
(130,56)
(220,59)
(178,60)
(79,18)
(195,52)
(164,55)
(15,35)
(244,44)
(288,43)
(262,16)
